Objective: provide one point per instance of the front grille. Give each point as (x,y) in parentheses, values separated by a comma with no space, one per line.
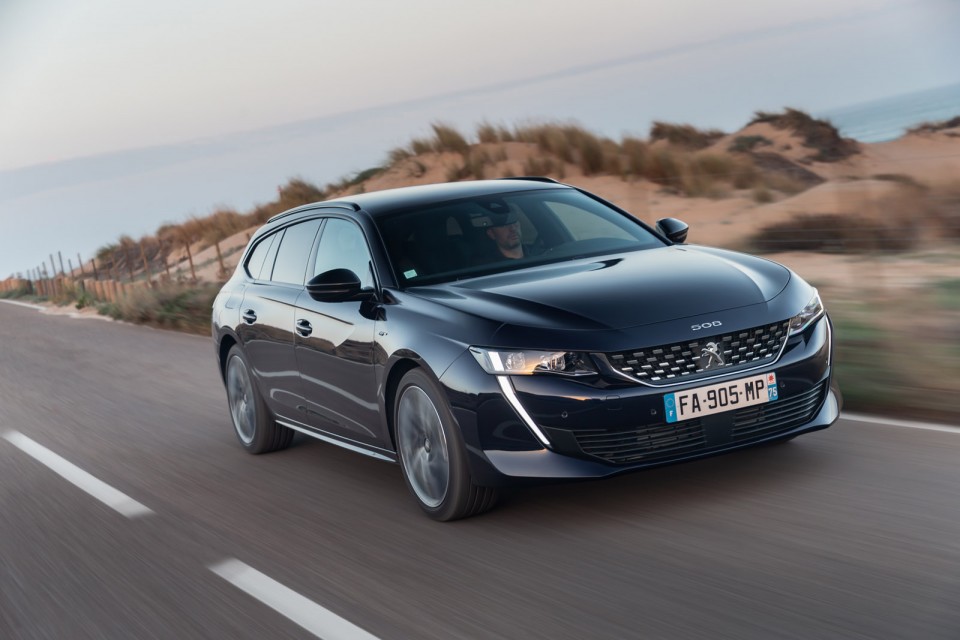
(777,417)
(647,443)
(663,441)
(664,364)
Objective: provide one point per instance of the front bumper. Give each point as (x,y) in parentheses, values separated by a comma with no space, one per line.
(606,427)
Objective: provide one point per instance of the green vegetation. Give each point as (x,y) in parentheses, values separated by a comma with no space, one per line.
(881,372)
(948,294)
(168,307)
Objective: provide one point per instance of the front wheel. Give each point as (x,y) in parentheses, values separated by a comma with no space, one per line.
(252,422)
(432,454)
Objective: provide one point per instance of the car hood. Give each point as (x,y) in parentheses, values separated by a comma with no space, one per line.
(617,292)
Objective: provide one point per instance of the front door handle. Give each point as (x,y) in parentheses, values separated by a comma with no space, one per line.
(304,328)
(249,316)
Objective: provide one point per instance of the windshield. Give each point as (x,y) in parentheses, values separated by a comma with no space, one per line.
(491,234)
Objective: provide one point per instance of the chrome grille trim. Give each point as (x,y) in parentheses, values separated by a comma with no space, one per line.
(659,365)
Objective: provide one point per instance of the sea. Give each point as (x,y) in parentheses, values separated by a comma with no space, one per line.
(132,192)
(889,118)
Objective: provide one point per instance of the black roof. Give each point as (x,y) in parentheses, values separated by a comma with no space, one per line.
(378,203)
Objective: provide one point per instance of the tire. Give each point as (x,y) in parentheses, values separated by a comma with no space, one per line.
(253,425)
(432,455)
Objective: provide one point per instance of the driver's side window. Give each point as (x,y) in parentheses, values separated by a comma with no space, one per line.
(342,246)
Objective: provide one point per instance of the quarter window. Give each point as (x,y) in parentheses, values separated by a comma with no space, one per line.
(259,255)
(291,263)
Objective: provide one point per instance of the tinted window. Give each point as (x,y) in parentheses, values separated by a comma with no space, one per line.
(342,246)
(503,232)
(582,225)
(259,255)
(291,263)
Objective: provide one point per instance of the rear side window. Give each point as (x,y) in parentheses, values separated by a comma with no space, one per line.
(259,255)
(291,264)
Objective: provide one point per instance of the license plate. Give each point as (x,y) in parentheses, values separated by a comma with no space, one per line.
(720,397)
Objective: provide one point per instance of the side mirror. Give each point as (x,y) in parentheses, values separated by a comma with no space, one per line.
(336,285)
(675,230)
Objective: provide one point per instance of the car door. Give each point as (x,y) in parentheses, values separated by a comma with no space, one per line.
(335,343)
(268,314)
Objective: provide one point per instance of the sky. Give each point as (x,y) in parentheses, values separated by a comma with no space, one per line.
(117,116)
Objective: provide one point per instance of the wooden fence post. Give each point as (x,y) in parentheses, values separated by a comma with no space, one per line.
(223,271)
(193,272)
(126,254)
(146,267)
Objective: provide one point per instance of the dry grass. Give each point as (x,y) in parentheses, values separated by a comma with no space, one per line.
(897,222)
(684,136)
(446,138)
(169,307)
(744,144)
(819,135)
(933,127)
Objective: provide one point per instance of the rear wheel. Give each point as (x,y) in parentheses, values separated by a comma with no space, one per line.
(252,422)
(432,454)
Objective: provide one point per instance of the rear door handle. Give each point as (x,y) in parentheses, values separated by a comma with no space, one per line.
(249,316)
(304,328)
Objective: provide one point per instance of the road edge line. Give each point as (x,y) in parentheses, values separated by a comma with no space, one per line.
(24,304)
(907,424)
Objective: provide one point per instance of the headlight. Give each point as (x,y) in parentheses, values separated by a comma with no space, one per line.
(810,313)
(527,362)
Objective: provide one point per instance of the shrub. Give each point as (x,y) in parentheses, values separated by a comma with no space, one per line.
(762,195)
(446,138)
(169,306)
(665,168)
(398,155)
(538,166)
(817,134)
(933,127)
(487,133)
(637,154)
(744,144)
(420,146)
(834,233)
(684,135)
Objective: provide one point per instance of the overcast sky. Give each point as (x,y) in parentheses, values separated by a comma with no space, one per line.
(81,79)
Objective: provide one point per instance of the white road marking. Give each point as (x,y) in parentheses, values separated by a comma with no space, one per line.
(23,304)
(908,424)
(77,476)
(306,613)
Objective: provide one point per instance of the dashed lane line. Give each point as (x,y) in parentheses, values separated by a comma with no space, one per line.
(305,612)
(72,473)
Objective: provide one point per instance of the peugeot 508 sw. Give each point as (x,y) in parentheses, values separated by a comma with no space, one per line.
(484,333)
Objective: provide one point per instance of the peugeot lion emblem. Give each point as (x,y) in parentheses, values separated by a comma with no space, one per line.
(710,356)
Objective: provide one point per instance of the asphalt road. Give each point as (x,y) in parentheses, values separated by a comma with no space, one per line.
(852,532)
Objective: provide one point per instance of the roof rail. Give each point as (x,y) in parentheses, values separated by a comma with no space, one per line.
(533,179)
(331,205)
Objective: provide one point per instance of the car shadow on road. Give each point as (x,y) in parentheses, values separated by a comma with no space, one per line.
(778,468)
